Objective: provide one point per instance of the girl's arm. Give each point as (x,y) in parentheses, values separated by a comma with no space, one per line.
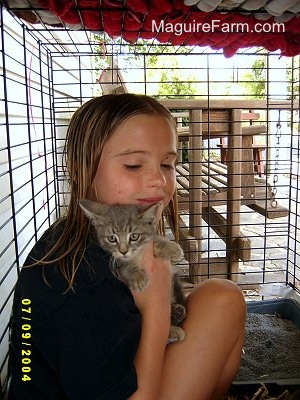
(154,304)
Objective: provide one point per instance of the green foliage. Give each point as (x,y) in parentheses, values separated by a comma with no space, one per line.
(255,80)
(293,89)
(137,54)
(293,78)
(172,86)
(159,62)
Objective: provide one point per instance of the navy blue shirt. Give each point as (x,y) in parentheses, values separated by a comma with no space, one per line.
(81,343)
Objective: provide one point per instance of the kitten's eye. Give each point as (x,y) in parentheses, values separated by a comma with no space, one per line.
(112,239)
(134,237)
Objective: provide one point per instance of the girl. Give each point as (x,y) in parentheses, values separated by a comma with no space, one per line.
(90,337)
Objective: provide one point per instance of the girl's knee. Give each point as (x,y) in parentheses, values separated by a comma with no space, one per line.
(220,294)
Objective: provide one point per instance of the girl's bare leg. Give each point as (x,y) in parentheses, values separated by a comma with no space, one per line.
(203,366)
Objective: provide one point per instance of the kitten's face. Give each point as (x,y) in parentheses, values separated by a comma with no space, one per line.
(123,243)
(122,230)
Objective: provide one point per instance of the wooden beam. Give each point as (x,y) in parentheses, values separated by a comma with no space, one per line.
(264,208)
(218,129)
(254,129)
(216,267)
(218,223)
(187,104)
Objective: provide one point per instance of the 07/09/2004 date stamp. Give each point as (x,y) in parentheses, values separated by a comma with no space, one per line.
(26,339)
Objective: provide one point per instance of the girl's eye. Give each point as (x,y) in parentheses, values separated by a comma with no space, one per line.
(168,166)
(134,237)
(112,239)
(132,166)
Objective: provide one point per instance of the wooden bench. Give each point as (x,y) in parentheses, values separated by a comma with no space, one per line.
(203,185)
(214,191)
(214,173)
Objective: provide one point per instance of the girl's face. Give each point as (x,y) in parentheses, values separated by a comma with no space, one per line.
(137,165)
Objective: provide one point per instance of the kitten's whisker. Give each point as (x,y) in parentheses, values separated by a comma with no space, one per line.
(113,266)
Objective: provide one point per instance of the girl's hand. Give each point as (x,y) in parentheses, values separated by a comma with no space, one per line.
(156,297)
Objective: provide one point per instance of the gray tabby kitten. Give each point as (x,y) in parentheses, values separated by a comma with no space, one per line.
(122,231)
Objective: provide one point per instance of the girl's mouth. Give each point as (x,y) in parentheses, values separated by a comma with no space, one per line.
(150,200)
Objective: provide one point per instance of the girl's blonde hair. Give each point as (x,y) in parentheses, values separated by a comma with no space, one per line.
(90,127)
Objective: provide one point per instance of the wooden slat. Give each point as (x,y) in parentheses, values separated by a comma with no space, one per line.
(254,129)
(219,167)
(212,183)
(183,169)
(180,114)
(220,129)
(214,172)
(211,192)
(189,104)
(264,208)
(183,182)
(252,116)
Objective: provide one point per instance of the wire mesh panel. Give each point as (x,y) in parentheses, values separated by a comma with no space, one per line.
(32,129)
(28,185)
(238,149)
(292,271)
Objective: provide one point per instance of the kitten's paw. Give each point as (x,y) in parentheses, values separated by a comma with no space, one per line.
(176,334)
(138,281)
(177,255)
(178,313)
(169,250)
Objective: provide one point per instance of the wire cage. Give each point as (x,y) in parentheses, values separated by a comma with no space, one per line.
(238,148)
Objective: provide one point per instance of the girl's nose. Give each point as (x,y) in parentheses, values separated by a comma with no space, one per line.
(156,178)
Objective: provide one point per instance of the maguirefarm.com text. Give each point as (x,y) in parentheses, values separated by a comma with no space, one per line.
(217,25)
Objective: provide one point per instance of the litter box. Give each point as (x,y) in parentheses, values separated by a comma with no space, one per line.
(287,309)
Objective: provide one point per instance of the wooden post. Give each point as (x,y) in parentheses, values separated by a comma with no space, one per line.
(234,163)
(195,187)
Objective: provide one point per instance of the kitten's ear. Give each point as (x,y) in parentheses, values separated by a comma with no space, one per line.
(92,209)
(153,213)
